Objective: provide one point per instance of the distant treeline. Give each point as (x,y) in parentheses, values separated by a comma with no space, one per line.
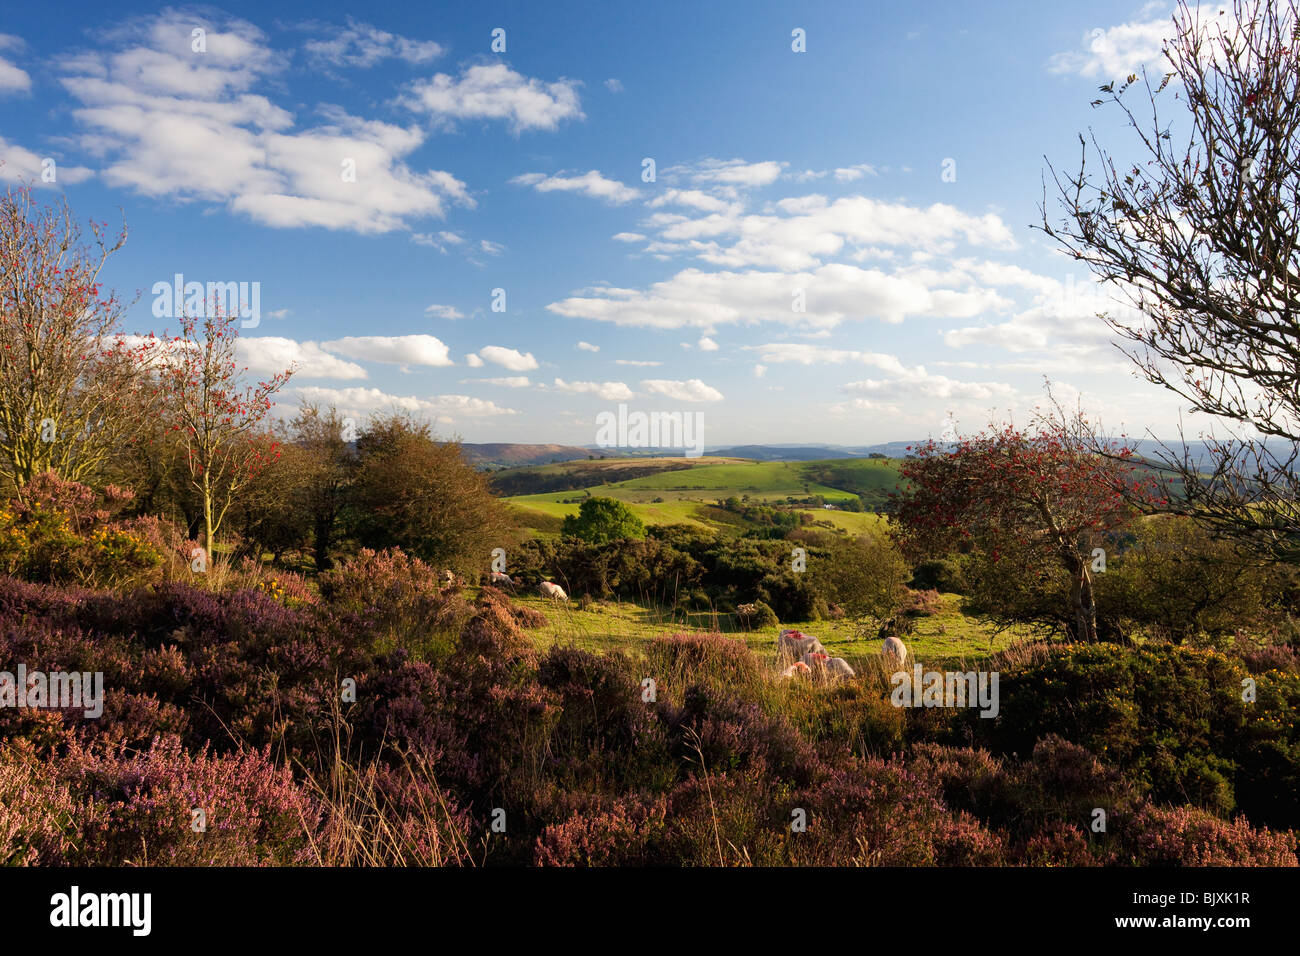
(529,481)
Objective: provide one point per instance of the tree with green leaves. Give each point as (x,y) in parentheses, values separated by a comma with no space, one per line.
(600,520)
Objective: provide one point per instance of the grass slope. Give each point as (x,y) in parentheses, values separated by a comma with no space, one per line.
(687,494)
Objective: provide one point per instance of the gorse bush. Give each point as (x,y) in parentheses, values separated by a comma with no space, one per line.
(63,532)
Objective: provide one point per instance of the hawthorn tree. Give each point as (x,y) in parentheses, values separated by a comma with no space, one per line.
(1196,225)
(64,372)
(216,417)
(1007,491)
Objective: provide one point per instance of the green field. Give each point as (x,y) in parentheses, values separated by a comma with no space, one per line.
(628,627)
(687,496)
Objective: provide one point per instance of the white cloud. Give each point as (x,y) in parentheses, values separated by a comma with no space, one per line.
(629,237)
(693,390)
(493,91)
(512,359)
(473,361)
(363,45)
(270,355)
(848,174)
(695,198)
(510,381)
(916,382)
(760,371)
(490,247)
(802,231)
(394,349)
(279,313)
(614,85)
(610,391)
(588,347)
(1117,51)
(364,401)
(833,294)
(13,79)
(637,363)
(802,353)
(444,312)
(728,172)
(590,183)
(173,123)
(707,344)
(18,164)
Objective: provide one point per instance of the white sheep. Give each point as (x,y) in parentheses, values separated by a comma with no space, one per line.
(552,590)
(793,645)
(502,580)
(838,667)
(893,647)
(797,669)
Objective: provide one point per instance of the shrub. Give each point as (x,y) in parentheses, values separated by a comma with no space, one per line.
(1185,836)
(756,616)
(61,531)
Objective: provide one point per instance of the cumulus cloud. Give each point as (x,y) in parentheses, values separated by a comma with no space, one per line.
(587,347)
(735,173)
(614,85)
(832,294)
(493,91)
(1111,52)
(694,198)
(512,359)
(18,164)
(639,363)
(916,382)
(590,183)
(610,391)
(13,79)
(271,355)
(692,390)
(707,344)
(170,122)
(361,402)
(393,349)
(473,361)
(362,45)
(802,231)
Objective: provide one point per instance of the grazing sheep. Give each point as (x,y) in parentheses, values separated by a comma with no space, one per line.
(450,579)
(793,645)
(552,590)
(797,669)
(502,580)
(815,660)
(838,667)
(893,647)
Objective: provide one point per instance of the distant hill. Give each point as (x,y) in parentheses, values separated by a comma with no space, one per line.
(509,455)
(781,453)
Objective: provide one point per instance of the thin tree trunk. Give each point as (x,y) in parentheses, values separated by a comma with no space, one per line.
(1082,600)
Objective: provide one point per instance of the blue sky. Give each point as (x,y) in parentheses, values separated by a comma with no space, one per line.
(886,176)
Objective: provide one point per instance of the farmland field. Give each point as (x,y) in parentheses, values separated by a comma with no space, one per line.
(687,495)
